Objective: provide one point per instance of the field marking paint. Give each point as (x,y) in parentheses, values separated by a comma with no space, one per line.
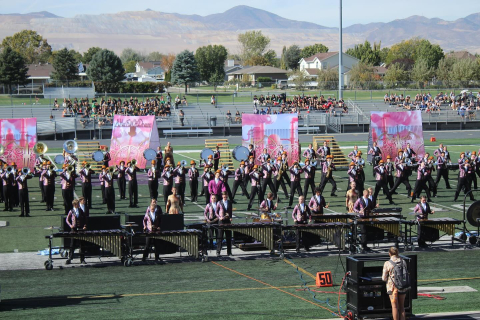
(299,269)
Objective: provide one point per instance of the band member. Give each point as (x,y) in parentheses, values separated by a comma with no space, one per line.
(248,168)
(473,168)
(267,206)
(179,174)
(153,174)
(401,177)
(359,165)
(68,184)
(193,175)
(363,207)
(351,197)
(251,151)
(301,215)
(280,151)
(463,180)
(309,153)
(381,178)
(424,158)
(216,185)
(109,190)
(240,176)
(76,220)
(295,177)
(477,165)
(131,176)
(168,153)
(102,183)
(106,158)
(255,177)
(281,167)
(376,155)
(264,156)
(327,175)
(421,183)
(159,159)
(442,170)
(422,210)
(210,214)
(352,155)
(438,152)
(167,176)
(430,166)
(309,172)
(268,171)
(206,177)
(1,184)
(324,151)
(224,217)
(390,167)
(151,223)
(354,176)
(7,181)
(174,203)
(208,163)
(216,158)
(224,174)
(317,203)
(49,186)
(23,194)
(16,200)
(447,154)
(409,153)
(86,177)
(121,181)
(39,170)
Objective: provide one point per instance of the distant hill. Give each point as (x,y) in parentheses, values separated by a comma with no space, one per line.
(150,30)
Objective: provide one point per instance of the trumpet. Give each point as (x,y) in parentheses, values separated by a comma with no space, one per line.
(51,168)
(183,163)
(9,170)
(25,171)
(224,167)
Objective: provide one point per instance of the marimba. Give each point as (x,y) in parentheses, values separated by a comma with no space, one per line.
(376,227)
(432,227)
(188,239)
(261,231)
(333,232)
(336,217)
(110,240)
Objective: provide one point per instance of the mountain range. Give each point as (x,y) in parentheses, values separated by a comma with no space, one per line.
(150,30)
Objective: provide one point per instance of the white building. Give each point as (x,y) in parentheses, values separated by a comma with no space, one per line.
(326,61)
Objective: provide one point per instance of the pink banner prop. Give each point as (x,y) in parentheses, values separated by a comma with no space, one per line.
(18,136)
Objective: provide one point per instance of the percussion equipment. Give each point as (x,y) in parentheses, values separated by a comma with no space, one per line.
(70,146)
(97,156)
(188,239)
(205,153)
(333,231)
(39,148)
(240,153)
(261,231)
(430,229)
(150,154)
(59,159)
(473,214)
(51,228)
(317,218)
(391,225)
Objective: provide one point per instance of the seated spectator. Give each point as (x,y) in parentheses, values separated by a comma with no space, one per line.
(229,116)
(238,118)
(212,100)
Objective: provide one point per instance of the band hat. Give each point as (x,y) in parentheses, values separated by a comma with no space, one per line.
(179,163)
(381,161)
(250,157)
(307,160)
(255,166)
(104,167)
(462,153)
(49,163)
(210,157)
(13,164)
(430,158)
(218,171)
(192,162)
(242,163)
(153,162)
(122,162)
(352,163)
(279,158)
(167,165)
(388,157)
(474,152)
(400,150)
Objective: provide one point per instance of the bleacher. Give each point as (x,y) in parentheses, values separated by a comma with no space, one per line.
(69,92)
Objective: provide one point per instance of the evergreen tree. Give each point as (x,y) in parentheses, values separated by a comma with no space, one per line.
(184,69)
(64,65)
(13,68)
(106,67)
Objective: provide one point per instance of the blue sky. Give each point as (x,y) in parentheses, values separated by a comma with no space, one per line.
(323,12)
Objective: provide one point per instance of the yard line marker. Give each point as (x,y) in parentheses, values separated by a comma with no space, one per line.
(299,269)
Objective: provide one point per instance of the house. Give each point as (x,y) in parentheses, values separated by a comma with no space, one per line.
(149,69)
(39,73)
(255,72)
(230,66)
(326,61)
(461,55)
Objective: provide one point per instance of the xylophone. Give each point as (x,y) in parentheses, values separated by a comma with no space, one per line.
(333,232)
(431,227)
(375,229)
(262,231)
(188,239)
(111,240)
(391,225)
(336,217)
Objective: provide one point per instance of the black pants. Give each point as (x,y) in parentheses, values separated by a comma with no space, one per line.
(406,183)
(390,182)
(302,236)
(253,193)
(1,191)
(193,190)
(167,190)
(212,233)
(148,243)
(110,198)
(122,186)
(431,185)
(215,164)
(49,194)
(268,182)
(87,193)
(278,183)
(74,243)
(229,191)
(362,232)
(67,195)
(8,196)
(463,183)
(286,178)
(181,191)
(294,186)
(360,185)
(133,192)
(153,188)
(16,200)
(206,194)
(419,186)
(473,178)
(102,187)
(228,235)
(236,184)
(24,201)
(381,184)
(324,181)
(42,189)
(420,240)
(442,173)
(309,182)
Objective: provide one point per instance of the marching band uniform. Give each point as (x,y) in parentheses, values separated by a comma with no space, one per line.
(463,181)
(167,176)
(442,171)
(328,176)
(389,166)
(206,177)
(1,184)
(106,158)
(224,177)
(239,180)
(179,174)
(86,176)
(76,220)
(68,184)
(316,205)
(471,172)
(216,187)
(49,186)
(280,168)
(121,181)
(210,215)
(353,155)
(268,171)
(422,210)
(255,177)
(431,184)
(295,183)
(375,152)
(23,194)
(16,200)
(309,172)
(151,223)
(131,176)
(193,175)
(216,158)
(324,151)
(263,157)
(102,184)
(380,177)
(421,184)
(401,177)
(310,153)
(159,158)
(224,216)
(301,215)
(207,164)
(363,206)
(7,180)
(268,206)
(248,168)
(109,191)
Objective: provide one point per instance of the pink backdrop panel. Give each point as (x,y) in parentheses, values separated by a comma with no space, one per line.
(18,136)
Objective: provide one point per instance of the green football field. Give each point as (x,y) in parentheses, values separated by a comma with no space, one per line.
(241,289)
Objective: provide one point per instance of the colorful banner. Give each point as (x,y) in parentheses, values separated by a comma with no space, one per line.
(393,130)
(271,131)
(131,136)
(18,136)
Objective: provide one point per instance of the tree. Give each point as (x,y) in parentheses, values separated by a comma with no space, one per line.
(129,66)
(211,62)
(309,51)
(444,70)
(256,61)
(252,44)
(77,56)
(30,45)
(65,66)
(362,75)
(395,76)
(271,58)
(431,53)
(298,78)
(106,67)
(184,69)
(403,50)
(128,54)
(87,56)
(13,68)
(365,53)
(328,79)
(292,57)
(421,72)
(155,56)
(283,64)
(464,71)
(383,54)
(414,49)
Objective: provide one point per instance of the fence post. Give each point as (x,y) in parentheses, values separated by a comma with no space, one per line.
(55,129)
(75,126)
(197,98)
(94,133)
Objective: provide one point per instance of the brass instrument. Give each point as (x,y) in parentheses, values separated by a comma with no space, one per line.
(280,171)
(183,163)
(9,170)
(111,169)
(133,163)
(51,168)
(25,171)
(40,148)
(2,149)
(70,169)
(70,146)
(329,171)
(88,166)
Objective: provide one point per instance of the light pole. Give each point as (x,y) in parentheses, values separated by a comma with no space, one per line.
(340,53)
